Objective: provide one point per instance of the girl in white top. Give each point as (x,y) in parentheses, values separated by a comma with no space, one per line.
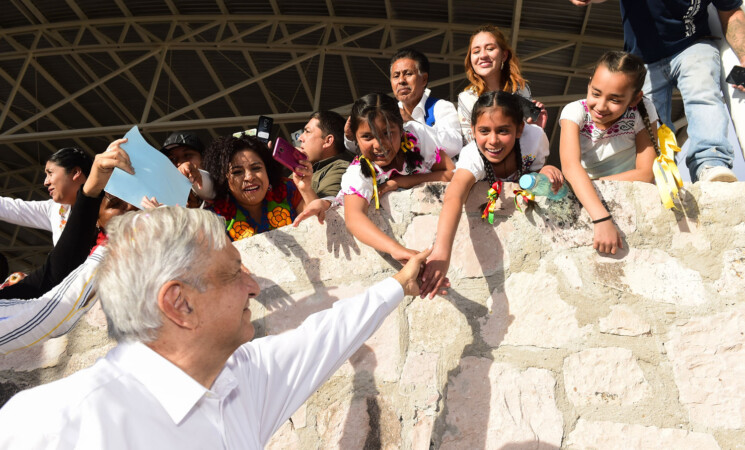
(393,155)
(66,170)
(491,65)
(611,135)
(496,154)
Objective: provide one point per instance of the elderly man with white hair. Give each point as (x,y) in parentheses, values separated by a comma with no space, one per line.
(184,374)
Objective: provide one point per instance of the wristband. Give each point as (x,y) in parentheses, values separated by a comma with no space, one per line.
(608,217)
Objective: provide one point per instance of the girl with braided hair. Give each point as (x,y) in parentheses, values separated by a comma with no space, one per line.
(495,155)
(611,135)
(393,155)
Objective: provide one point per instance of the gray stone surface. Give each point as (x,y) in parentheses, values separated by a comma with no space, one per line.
(541,343)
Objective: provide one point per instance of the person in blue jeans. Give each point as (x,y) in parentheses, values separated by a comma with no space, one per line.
(674,40)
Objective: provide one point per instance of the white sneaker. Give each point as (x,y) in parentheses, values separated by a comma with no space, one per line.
(717,173)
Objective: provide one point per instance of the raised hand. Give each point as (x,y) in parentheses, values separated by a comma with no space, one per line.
(104,165)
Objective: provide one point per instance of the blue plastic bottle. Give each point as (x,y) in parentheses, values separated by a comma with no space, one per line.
(539,184)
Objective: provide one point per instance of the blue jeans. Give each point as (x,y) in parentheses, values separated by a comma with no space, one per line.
(695,71)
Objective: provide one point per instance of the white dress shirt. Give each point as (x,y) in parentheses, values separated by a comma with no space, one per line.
(136,399)
(44,215)
(24,323)
(446,129)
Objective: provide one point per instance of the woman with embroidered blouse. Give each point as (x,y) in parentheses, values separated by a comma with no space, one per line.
(251,194)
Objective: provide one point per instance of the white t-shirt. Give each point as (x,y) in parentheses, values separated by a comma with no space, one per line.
(466,100)
(353,182)
(611,151)
(533,146)
(44,215)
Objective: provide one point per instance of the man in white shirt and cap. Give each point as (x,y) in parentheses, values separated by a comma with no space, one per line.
(184,374)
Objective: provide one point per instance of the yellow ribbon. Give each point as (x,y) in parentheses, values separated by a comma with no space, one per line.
(406,144)
(375,182)
(666,174)
(527,196)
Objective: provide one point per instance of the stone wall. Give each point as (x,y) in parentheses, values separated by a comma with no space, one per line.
(541,343)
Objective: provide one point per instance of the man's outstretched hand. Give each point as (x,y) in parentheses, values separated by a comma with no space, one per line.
(409,274)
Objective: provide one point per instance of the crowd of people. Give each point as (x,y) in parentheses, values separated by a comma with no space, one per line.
(187,323)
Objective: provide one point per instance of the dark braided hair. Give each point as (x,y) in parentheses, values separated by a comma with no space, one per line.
(633,67)
(375,105)
(220,153)
(510,106)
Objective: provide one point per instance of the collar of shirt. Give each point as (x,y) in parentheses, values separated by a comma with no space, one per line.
(418,113)
(173,388)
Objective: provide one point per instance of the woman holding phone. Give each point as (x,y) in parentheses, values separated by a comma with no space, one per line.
(251,194)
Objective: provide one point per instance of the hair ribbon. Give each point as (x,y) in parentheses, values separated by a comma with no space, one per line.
(375,181)
(666,174)
(491,204)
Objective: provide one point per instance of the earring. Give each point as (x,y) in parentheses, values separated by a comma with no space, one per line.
(502,66)
(270,187)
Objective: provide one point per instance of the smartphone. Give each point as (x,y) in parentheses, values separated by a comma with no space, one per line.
(287,155)
(264,129)
(530,110)
(736,76)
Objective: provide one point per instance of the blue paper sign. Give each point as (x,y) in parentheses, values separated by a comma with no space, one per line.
(155,175)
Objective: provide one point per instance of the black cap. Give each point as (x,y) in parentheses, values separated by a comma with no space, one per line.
(183,138)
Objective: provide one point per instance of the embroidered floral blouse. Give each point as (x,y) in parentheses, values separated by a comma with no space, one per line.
(355,183)
(613,150)
(278,209)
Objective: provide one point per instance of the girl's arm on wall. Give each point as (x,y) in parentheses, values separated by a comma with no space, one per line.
(361,227)
(439,261)
(606,237)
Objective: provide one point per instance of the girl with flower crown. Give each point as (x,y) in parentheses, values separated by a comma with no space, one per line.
(252,196)
(393,155)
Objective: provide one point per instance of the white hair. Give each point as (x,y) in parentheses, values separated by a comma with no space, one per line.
(147,249)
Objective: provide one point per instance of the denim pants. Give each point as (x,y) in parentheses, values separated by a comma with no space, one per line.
(695,71)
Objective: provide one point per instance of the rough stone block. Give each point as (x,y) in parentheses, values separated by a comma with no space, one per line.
(732,281)
(622,436)
(419,379)
(656,275)
(599,376)
(79,361)
(479,252)
(45,354)
(435,325)
(541,317)
(422,435)
(623,321)
(368,422)
(284,439)
(707,355)
(490,405)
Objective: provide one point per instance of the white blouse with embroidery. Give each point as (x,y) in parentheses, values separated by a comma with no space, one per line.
(613,150)
(353,182)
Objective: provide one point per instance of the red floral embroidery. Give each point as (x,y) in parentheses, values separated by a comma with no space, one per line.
(225,208)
